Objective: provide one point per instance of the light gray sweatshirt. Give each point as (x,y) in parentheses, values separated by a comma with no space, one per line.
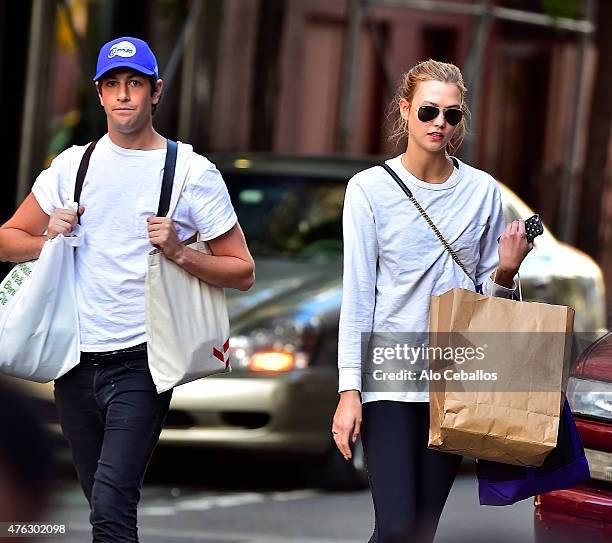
(394,263)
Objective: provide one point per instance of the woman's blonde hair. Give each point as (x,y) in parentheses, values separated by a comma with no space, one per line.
(428,70)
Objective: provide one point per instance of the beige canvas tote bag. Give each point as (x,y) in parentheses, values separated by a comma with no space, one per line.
(187,323)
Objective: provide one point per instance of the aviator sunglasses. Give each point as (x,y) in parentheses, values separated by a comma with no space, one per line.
(452,115)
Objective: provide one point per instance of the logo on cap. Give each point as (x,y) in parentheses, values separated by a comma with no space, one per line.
(123,49)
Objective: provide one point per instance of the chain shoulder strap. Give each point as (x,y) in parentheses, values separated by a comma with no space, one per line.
(427,218)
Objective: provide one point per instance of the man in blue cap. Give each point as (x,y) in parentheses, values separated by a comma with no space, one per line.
(108,407)
(124,58)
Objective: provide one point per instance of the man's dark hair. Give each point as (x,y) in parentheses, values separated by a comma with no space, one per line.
(153,82)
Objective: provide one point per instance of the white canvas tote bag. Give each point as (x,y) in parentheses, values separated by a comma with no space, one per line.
(186,319)
(39,321)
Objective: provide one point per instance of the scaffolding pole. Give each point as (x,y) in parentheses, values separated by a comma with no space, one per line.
(31,145)
(570,188)
(349,75)
(580,26)
(473,73)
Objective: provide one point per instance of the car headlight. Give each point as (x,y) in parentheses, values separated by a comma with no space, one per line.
(590,397)
(275,346)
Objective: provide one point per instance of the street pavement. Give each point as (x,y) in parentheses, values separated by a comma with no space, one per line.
(275,507)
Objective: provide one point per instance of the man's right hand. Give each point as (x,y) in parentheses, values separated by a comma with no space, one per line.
(347,421)
(62,221)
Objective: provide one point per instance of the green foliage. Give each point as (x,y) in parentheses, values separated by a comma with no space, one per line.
(572,9)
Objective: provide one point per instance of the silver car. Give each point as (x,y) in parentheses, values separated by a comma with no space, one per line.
(282,393)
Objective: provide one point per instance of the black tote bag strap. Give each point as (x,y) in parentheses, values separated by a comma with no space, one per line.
(81,173)
(168,179)
(428,220)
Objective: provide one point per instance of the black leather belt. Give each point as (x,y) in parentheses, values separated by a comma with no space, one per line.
(108,357)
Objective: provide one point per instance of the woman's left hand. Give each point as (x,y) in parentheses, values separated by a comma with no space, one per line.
(513,247)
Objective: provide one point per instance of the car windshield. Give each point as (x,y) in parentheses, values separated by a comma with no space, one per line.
(284,216)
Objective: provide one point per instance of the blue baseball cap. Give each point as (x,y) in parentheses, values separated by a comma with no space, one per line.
(126,52)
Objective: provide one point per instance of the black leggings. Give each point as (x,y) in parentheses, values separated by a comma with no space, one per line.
(409,482)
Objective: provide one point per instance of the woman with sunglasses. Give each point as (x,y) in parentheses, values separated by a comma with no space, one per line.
(393,264)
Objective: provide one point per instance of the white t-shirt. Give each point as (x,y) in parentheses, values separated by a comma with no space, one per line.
(394,263)
(121,191)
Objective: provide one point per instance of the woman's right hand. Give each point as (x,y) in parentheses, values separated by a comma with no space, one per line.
(62,221)
(347,421)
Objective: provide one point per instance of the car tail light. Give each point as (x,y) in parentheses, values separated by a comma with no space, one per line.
(278,345)
(276,361)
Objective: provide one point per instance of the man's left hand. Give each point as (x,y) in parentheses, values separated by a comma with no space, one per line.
(163,236)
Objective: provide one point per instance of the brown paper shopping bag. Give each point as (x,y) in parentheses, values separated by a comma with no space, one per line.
(504,403)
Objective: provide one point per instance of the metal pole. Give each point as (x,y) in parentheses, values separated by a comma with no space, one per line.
(570,190)
(349,75)
(380,49)
(33,88)
(189,70)
(473,74)
(181,43)
(504,14)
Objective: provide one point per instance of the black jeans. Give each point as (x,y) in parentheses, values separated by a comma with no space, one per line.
(409,482)
(112,416)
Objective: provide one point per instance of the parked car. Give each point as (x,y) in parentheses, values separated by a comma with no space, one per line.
(584,513)
(282,392)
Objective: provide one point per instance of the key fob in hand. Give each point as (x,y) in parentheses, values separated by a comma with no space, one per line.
(533,227)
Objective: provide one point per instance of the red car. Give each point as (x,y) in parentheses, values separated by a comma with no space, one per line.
(584,513)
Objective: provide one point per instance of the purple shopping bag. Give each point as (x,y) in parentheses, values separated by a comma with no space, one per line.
(565,467)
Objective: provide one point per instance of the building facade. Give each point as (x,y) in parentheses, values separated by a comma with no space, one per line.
(311,77)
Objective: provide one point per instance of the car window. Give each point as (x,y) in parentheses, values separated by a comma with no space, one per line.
(301,217)
(289,216)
